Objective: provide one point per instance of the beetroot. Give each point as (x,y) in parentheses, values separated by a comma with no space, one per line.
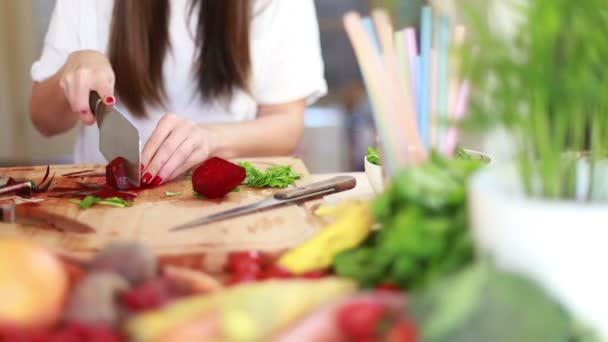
(217,177)
(116,174)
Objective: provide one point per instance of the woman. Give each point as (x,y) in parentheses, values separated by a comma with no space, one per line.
(198,78)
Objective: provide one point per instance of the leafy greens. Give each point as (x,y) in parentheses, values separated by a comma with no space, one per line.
(274,177)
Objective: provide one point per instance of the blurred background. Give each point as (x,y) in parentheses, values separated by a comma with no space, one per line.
(339,128)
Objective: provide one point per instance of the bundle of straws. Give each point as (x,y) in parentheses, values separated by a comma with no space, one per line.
(416,96)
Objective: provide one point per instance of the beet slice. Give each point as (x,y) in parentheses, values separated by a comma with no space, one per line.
(116,174)
(217,177)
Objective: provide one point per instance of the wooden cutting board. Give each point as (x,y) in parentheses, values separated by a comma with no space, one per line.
(153,214)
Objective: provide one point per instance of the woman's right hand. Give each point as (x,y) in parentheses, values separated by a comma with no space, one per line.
(83,72)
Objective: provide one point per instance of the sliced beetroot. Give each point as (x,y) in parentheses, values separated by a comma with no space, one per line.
(116,174)
(217,177)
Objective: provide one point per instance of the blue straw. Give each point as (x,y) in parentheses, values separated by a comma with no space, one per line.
(369,26)
(426,32)
(443,77)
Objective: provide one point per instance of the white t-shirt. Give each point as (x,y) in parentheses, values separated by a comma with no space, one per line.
(286,62)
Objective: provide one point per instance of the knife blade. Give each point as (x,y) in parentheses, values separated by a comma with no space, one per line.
(285,197)
(118,137)
(30,215)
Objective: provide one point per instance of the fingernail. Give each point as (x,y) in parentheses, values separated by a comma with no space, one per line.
(84,111)
(146,178)
(110,100)
(142,167)
(157,180)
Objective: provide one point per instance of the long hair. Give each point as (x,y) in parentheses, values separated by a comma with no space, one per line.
(139,42)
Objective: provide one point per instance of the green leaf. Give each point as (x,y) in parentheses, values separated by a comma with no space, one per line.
(88,202)
(172,194)
(373,156)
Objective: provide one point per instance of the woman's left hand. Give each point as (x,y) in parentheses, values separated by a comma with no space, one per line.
(175,146)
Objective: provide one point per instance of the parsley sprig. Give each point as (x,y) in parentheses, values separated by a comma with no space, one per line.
(274,177)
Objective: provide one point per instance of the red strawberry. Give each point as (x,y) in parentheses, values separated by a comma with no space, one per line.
(116,174)
(362,320)
(216,177)
(403,331)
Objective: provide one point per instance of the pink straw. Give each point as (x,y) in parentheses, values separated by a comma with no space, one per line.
(462,102)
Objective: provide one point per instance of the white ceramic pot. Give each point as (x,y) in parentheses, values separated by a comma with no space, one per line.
(376,178)
(560,244)
(374,175)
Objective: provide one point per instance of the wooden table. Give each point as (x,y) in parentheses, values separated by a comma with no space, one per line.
(274,230)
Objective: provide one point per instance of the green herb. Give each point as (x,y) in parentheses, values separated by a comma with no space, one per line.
(424,231)
(90,201)
(481,303)
(172,194)
(197,195)
(274,177)
(237,189)
(373,156)
(544,83)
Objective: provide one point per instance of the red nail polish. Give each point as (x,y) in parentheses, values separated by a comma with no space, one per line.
(142,167)
(157,180)
(110,100)
(146,178)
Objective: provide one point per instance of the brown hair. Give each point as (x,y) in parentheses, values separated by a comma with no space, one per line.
(140,39)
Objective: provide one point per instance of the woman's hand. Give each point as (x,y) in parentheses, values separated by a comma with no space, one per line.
(83,72)
(175,146)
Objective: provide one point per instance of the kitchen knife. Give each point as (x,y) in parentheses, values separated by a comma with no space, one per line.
(285,197)
(117,137)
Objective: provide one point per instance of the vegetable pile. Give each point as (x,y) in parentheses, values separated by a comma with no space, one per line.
(424,231)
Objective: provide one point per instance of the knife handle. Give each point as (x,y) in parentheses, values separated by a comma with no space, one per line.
(94,100)
(337,184)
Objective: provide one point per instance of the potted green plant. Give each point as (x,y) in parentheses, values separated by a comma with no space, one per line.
(543,209)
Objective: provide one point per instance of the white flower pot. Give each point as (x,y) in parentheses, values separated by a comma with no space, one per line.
(563,245)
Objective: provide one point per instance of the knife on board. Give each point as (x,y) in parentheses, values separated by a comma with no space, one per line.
(30,215)
(281,198)
(118,137)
